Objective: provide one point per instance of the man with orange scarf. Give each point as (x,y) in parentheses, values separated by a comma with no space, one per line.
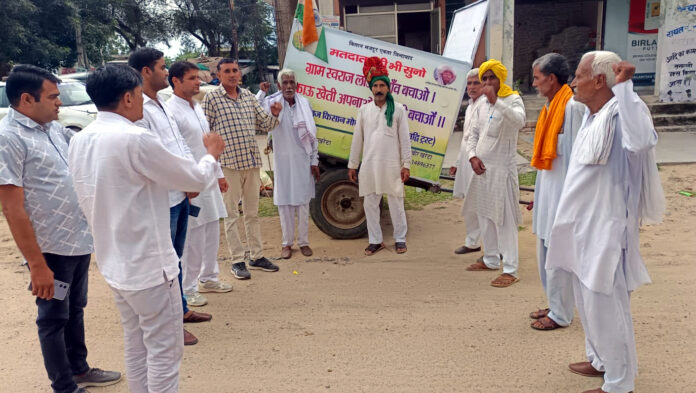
(556,128)
(494,192)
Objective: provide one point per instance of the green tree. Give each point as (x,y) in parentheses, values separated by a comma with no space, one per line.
(257,40)
(140,22)
(34,33)
(208,21)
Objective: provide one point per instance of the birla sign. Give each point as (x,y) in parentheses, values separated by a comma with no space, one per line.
(644,42)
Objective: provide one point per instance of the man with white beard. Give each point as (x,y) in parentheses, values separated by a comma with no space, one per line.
(296,157)
(611,188)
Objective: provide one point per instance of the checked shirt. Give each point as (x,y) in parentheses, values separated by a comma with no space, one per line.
(237,121)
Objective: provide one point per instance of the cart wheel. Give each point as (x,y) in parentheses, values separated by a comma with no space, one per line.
(337,209)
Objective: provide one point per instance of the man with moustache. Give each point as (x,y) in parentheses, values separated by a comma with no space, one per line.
(122,175)
(494,191)
(381,135)
(236,114)
(42,211)
(556,128)
(199,261)
(149,63)
(611,188)
(296,157)
(462,169)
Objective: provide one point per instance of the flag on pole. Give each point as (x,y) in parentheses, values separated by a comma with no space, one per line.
(311,36)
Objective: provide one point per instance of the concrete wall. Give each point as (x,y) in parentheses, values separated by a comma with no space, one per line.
(616,27)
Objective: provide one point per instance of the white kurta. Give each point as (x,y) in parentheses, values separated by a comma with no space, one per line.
(158,119)
(122,173)
(293,180)
(385,150)
(464,171)
(193,125)
(549,183)
(598,211)
(557,283)
(493,140)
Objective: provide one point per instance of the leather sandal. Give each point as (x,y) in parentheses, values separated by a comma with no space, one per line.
(504,280)
(372,249)
(545,323)
(539,313)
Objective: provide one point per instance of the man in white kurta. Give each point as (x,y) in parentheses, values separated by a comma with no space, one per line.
(296,159)
(381,135)
(555,133)
(494,191)
(156,118)
(462,169)
(199,261)
(611,187)
(121,175)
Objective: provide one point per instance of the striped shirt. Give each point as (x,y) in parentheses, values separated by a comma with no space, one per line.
(237,121)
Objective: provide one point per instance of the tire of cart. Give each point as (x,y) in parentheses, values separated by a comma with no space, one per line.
(337,209)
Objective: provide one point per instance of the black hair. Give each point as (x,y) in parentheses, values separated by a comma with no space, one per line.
(226,60)
(26,78)
(553,63)
(179,69)
(107,85)
(144,57)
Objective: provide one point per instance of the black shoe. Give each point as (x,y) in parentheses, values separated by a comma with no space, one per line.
(263,264)
(97,377)
(240,271)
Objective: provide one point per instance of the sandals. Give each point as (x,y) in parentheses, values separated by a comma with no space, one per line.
(400,247)
(479,266)
(539,313)
(504,280)
(545,323)
(373,248)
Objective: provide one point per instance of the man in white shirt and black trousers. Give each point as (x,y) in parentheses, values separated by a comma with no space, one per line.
(122,174)
(156,117)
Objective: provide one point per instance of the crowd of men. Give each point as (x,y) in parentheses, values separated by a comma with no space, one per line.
(145,185)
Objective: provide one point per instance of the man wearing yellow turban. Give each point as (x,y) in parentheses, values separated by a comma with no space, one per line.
(494,192)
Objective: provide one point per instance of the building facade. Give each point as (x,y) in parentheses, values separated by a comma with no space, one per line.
(517,31)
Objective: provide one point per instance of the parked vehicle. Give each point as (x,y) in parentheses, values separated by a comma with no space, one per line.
(77,110)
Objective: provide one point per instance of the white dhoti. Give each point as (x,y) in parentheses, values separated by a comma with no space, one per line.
(199,261)
(396,211)
(501,239)
(287,223)
(153,333)
(609,339)
(558,286)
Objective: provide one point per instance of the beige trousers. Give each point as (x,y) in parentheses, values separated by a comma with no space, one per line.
(244,185)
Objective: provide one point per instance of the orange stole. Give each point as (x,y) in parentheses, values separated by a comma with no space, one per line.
(547,128)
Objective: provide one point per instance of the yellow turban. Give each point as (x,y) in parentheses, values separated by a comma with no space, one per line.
(500,72)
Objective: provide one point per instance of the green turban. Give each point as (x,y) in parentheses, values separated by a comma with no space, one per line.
(390,99)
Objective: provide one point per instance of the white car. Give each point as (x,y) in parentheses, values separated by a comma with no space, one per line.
(77,110)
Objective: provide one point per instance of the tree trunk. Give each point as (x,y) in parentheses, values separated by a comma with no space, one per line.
(284,14)
(235,40)
(82,60)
